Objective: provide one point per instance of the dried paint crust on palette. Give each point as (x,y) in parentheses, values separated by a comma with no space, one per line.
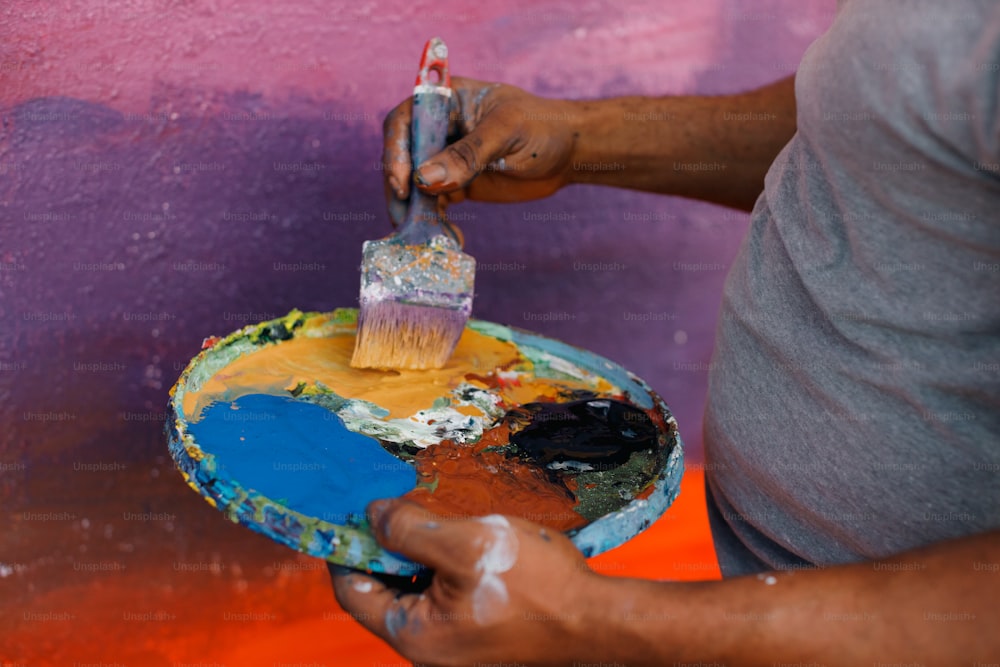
(274,428)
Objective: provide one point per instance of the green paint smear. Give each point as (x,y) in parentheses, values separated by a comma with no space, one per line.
(616,487)
(330,401)
(214,360)
(280,329)
(430,486)
(344,316)
(541,360)
(493,330)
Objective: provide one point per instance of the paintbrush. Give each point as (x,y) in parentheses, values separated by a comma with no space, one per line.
(416,284)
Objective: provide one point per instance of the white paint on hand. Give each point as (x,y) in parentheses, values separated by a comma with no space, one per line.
(395,619)
(499,555)
(362,586)
(769,579)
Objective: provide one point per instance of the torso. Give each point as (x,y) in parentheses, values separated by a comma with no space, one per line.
(854,401)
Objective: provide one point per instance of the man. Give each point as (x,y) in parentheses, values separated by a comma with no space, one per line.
(853,418)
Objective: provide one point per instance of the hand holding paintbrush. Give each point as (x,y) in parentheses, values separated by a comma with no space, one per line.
(417,284)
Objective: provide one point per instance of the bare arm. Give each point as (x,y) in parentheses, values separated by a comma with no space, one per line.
(514,146)
(716,149)
(932,606)
(507,590)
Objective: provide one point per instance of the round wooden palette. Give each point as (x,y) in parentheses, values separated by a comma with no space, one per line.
(272,426)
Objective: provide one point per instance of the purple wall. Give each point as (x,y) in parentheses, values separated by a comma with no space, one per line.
(165,166)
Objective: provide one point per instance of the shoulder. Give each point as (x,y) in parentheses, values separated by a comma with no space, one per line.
(923,71)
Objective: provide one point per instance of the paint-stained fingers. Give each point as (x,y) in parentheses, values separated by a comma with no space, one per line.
(467,149)
(447,547)
(460,162)
(406,622)
(396,160)
(372,604)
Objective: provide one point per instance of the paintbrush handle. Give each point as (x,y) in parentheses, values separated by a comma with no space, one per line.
(428,135)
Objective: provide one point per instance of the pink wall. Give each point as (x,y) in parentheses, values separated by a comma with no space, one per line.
(161,161)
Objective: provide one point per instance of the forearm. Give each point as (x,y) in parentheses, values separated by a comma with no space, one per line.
(934,606)
(716,149)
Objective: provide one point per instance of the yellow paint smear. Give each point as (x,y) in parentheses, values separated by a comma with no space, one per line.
(276,369)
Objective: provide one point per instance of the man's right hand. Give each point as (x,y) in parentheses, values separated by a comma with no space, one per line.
(508,145)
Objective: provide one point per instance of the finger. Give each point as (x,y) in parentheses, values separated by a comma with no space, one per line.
(375,606)
(396,149)
(395,207)
(459,163)
(447,547)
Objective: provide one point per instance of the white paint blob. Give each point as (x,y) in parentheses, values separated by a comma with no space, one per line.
(362,586)
(499,555)
(770,581)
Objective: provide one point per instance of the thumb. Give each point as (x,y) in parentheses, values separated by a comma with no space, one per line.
(443,545)
(460,162)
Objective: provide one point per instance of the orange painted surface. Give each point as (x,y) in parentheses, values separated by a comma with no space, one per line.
(481,482)
(272,607)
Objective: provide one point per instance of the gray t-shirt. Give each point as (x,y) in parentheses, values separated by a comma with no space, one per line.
(854,393)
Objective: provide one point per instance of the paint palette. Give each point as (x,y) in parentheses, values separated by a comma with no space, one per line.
(274,428)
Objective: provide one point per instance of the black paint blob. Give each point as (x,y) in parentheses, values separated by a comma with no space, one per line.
(591,434)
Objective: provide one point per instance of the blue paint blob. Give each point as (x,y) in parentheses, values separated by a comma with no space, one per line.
(301,455)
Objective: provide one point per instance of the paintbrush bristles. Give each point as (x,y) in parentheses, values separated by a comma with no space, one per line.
(415,301)
(395,335)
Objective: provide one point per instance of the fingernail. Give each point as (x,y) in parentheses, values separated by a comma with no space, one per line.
(431,174)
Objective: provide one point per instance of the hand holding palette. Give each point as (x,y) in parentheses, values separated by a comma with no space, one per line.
(273,427)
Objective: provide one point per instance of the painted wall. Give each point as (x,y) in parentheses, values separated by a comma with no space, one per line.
(171,169)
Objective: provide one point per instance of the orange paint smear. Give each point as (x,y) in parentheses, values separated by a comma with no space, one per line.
(277,369)
(457,481)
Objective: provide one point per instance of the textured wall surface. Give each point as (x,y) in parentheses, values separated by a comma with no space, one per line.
(171,169)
